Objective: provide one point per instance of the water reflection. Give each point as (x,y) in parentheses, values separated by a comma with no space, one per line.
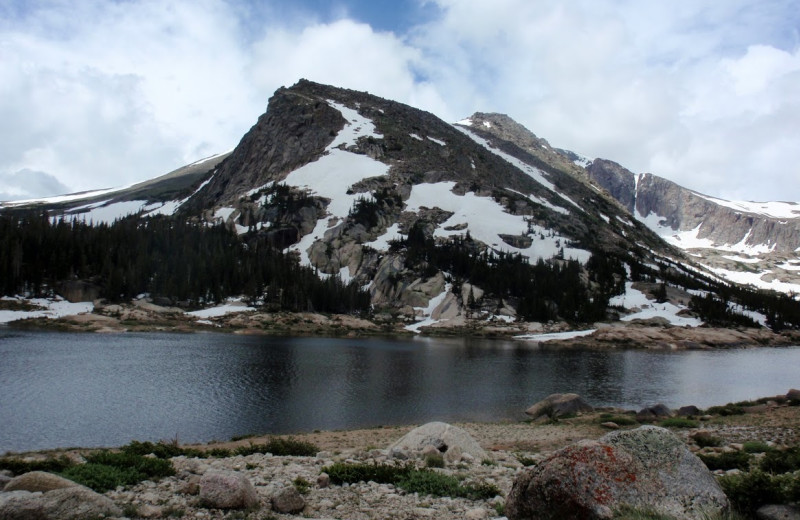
(90,390)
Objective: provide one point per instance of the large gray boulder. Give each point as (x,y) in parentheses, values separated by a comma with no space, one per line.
(77,503)
(38,481)
(21,505)
(451,441)
(559,405)
(647,468)
(227,490)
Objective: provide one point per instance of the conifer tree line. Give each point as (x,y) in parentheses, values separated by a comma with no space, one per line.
(161,256)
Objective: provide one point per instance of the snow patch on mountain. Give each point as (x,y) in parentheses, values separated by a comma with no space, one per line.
(537,174)
(555,336)
(331,176)
(232,305)
(382,242)
(427,312)
(689,239)
(645,308)
(355,127)
(787,210)
(755,279)
(485,220)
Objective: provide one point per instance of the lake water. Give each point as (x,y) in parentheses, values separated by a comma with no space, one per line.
(69,389)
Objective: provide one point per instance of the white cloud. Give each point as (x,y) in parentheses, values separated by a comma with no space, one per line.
(702,92)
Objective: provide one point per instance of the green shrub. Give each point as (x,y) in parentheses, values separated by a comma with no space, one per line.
(678,422)
(411,479)
(149,467)
(733,460)
(219,452)
(341,473)
(526,461)
(301,485)
(435,460)
(101,477)
(161,450)
(781,461)
(18,466)
(707,441)
(749,491)
(281,447)
(756,447)
(728,409)
(106,470)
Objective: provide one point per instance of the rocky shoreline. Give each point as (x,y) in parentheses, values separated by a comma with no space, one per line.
(144,316)
(287,486)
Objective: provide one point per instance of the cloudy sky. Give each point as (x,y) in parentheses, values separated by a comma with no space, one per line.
(99,93)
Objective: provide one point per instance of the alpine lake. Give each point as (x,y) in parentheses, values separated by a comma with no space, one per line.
(89,390)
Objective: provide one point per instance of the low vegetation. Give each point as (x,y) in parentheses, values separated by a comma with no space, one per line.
(411,479)
(106,470)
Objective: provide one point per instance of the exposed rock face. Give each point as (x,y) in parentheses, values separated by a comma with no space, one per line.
(619,182)
(643,468)
(451,441)
(227,490)
(559,405)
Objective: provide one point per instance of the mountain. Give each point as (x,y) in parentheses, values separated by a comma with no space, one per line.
(437,224)
(744,242)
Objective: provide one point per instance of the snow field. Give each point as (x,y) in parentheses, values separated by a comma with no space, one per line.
(646,309)
(55,308)
(486,220)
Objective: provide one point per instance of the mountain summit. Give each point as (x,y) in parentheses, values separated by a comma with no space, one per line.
(441,224)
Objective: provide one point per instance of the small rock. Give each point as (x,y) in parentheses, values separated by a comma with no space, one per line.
(778,512)
(610,425)
(191,486)
(4,479)
(323,480)
(430,451)
(288,500)
(226,490)
(397,453)
(38,481)
(476,514)
(150,511)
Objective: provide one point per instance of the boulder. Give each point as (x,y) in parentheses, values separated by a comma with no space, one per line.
(288,501)
(559,405)
(21,505)
(449,440)
(77,503)
(645,468)
(688,411)
(793,394)
(38,481)
(652,413)
(227,490)
(4,479)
